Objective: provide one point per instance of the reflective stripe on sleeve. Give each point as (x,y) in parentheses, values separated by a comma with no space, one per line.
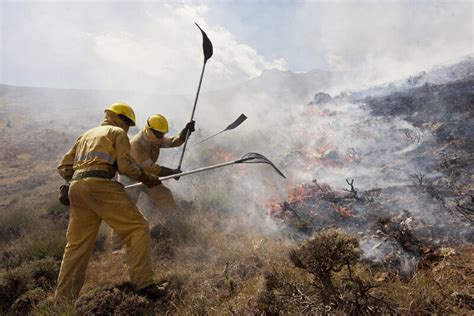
(94,154)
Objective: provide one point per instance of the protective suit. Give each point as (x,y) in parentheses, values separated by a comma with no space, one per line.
(145,152)
(92,162)
(146,148)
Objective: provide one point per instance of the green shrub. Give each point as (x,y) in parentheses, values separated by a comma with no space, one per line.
(134,305)
(43,273)
(48,245)
(112,300)
(38,274)
(51,244)
(54,208)
(12,285)
(27,301)
(9,259)
(325,253)
(14,223)
(50,306)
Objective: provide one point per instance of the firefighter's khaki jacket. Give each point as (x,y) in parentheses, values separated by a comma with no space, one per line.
(105,148)
(146,149)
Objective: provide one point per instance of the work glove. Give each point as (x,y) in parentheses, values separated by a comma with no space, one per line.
(189,127)
(164,171)
(149,180)
(63,194)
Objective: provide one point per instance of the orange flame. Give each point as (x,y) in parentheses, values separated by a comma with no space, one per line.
(224,155)
(298,194)
(344,211)
(274,209)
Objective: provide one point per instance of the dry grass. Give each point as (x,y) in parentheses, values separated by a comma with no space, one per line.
(15,222)
(223,270)
(216,262)
(444,288)
(219,267)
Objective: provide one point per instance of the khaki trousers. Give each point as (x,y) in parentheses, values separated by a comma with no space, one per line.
(91,201)
(161,196)
(163,201)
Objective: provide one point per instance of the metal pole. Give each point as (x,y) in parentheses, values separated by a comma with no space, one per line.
(231,126)
(206,139)
(193,171)
(192,116)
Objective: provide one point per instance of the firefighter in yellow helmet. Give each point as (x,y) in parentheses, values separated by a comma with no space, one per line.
(90,166)
(145,151)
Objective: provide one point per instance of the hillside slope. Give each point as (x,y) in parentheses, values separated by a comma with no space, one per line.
(397,239)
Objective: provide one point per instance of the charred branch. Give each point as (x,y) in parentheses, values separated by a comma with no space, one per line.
(288,207)
(226,270)
(361,295)
(229,282)
(419,177)
(406,240)
(465,211)
(304,225)
(352,190)
(401,233)
(300,298)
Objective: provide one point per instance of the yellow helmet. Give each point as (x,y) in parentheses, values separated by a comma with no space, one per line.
(122,108)
(158,123)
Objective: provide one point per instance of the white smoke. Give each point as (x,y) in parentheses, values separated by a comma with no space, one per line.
(386,41)
(154,47)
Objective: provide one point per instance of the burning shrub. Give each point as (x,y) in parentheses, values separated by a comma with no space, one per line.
(326,252)
(112,300)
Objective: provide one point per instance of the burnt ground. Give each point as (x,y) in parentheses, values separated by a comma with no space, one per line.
(399,225)
(400,228)
(446,110)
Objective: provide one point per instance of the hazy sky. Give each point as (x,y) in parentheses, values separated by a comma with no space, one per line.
(154,45)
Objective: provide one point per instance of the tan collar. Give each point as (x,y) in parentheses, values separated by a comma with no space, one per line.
(113,119)
(149,136)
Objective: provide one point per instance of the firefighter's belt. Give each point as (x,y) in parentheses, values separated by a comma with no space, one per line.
(92,174)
